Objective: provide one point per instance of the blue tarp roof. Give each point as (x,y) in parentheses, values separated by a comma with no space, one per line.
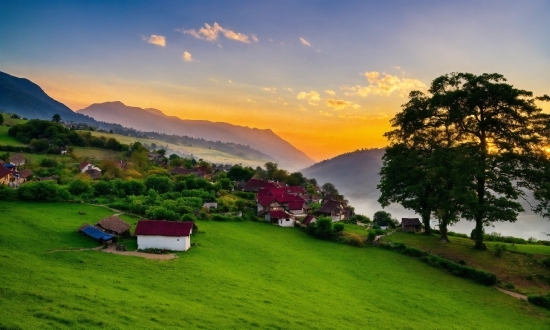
(97,234)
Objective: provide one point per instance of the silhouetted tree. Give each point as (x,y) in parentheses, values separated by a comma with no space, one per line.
(56,118)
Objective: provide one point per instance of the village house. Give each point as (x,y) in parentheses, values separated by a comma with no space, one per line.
(17,160)
(86,166)
(410,224)
(6,176)
(210,205)
(94,174)
(280,218)
(334,209)
(114,225)
(96,233)
(254,185)
(24,176)
(310,218)
(162,234)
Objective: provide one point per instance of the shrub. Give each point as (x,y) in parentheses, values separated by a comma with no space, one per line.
(161,213)
(48,162)
(79,187)
(352,239)
(371,235)
(187,217)
(7,193)
(500,249)
(161,184)
(102,188)
(219,217)
(338,227)
(46,191)
(546,262)
(509,286)
(543,301)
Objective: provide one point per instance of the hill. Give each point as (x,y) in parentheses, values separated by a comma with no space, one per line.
(355,174)
(263,140)
(25,98)
(241,275)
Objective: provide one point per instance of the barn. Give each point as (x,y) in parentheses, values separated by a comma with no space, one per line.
(410,224)
(165,235)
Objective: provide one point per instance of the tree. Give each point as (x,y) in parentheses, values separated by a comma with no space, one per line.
(329,189)
(56,118)
(383,218)
(1,119)
(496,134)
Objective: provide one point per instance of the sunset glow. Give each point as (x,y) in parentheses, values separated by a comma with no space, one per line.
(327,77)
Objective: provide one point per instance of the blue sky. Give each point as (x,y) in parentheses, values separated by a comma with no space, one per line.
(325,75)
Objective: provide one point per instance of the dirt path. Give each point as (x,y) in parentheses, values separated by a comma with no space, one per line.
(513,294)
(73,250)
(112,249)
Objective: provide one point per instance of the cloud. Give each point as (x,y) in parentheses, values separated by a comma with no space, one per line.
(212,32)
(326,114)
(329,92)
(305,42)
(384,85)
(230,81)
(270,89)
(288,89)
(155,40)
(318,50)
(254,38)
(249,100)
(311,97)
(187,57)
(340,104)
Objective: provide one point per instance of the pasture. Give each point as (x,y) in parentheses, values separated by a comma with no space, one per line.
(242,275)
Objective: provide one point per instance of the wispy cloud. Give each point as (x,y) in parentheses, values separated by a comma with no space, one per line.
(254,38)
(305,42)
(211,33)
(187,57)
(311,97)
(270,89)
(340,104)
(155,40)
(288,89)
(330,92)
(251,101)
(326,114)
(384,84)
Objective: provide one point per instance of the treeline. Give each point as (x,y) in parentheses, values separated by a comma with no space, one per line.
(50,137)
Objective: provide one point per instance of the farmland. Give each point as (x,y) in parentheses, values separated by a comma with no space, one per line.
(241,275)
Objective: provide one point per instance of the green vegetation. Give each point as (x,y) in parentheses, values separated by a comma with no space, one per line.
(240,275)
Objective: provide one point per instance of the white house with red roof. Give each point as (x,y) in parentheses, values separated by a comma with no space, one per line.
(86,166)
(280,218)
(163,234)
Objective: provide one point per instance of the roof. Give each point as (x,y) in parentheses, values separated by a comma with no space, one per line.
(296,190)
(25,173)
(296,205)
(83,164)
(180,170)
(17,159)
(254,185)
(410,222)
(114,224)
(278,214)
(96,233)
(307,220)
(329,206)
(4,171)
(164,228)
(266,200)
(94,174)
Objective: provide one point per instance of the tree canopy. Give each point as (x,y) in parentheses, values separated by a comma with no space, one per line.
(467,149)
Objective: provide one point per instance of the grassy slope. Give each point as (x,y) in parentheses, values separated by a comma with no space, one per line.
(213,156)
(5,139)
(518,269)
(242,275)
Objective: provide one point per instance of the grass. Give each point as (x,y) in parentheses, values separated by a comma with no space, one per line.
(6,139)
(524,270)
(97,154)
(242,275)
(210,155)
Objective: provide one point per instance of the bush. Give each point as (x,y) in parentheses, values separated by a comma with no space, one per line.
(219,217)
(161,213)
(543,301)
(102,188)
(79,187)
(7,193)
(351,239)
(500,249)
(48,162)
(46,191)
(546,262)
(371,235)
(161,184)
(188,217)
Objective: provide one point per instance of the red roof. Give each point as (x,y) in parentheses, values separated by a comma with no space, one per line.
(265,191)
(296,205)
(265,200)
(4,171)
(83,164)
(164,228)
(278,214)
(254,185)
(308,219)
(329,206)
(296,190)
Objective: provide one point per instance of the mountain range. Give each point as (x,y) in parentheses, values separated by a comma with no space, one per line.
(25,98)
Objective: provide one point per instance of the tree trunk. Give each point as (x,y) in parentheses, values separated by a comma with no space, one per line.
(479,235)
(443,231)
(426,222)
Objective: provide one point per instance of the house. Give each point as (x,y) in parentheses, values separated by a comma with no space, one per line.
(6,175)
(162,234)
(333,209)
(310,218)
(154,156)
(86,166)
(254,185)
(114,225)
(268,203)
(94,174)
(17,160)
(280,218)
(410,224)
(180,170)
(210,205)
(24,175)
(63,151)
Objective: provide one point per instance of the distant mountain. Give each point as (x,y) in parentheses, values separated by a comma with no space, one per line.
(355,174)
(27,99)
(263,140)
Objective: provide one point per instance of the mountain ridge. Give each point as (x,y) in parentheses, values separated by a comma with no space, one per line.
(264,140)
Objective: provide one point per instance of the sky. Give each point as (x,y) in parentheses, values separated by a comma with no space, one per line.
(327,76)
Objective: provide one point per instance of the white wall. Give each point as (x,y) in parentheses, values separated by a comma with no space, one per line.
(286,222)
(336,218)
(179,243)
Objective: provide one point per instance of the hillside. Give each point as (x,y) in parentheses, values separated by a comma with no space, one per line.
(27,99)
(241,275)
(263,140)
(354,173)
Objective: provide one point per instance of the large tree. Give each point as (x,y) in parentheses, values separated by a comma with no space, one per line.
(497,136)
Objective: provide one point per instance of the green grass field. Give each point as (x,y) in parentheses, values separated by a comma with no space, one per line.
(242,275)
(524,271)
(5,139)
(210,155)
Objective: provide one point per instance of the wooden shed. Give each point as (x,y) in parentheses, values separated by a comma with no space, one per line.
(114,225)
(411,224)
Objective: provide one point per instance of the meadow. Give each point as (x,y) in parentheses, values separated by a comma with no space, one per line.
(520,265)
(242,275)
